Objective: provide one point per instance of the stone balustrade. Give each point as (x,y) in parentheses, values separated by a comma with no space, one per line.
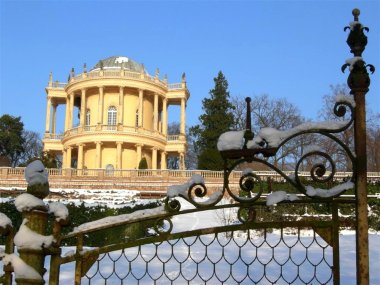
(119,73)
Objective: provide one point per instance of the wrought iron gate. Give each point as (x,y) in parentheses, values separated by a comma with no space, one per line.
(251,248)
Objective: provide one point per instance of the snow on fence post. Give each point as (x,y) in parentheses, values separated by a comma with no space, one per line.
(6,229)
(359,81)
(31,243)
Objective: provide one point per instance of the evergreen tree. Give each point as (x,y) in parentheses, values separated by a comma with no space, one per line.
(11,139)
(143,164)
(217,119)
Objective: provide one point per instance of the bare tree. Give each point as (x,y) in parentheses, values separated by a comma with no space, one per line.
(373,143)
(326,113)
(32,147)
(190,157)
(272,113)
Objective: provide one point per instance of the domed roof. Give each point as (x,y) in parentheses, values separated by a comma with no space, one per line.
(116,62)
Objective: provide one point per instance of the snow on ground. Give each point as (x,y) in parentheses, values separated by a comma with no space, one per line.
(203,219)
(115,198)
(111,197)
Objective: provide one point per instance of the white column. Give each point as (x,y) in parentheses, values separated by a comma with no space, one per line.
(54,124)
(83,108)
(68,157)
(118,155)
(182,161)
(98,156)
(155,113)
(47,122)
(154,158)
(141,100)
(71,122)
(80,156)
(183,116)
(138,151)
(165,116)
(121,105)
(100,105)
(163,160)
(67,113)
(64,158)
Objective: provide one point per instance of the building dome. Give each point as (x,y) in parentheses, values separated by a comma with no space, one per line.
(117,62)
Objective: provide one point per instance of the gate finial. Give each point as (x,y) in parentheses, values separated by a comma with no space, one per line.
(356,13)
(248,135)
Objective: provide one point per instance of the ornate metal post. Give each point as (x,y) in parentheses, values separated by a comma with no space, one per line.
(359,81)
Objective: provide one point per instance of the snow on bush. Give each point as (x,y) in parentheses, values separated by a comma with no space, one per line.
(311,191)
(26,238)
(278,196)
(27,202)
(35,173)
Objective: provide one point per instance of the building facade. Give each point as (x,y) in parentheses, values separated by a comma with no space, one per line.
(116,114)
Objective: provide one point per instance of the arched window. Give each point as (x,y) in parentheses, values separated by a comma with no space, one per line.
(109,169)
(112,116)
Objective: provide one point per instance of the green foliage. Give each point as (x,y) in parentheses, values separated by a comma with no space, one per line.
(210,159)
(216,119)
(143,164)
(80,214)
(11,139)
(48,160)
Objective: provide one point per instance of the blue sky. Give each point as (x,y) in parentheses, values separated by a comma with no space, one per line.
(291,49)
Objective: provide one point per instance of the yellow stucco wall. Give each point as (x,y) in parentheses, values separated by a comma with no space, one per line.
(89,158)
(129,157)
(131,103)
(148,113)
(108,156)
(92,104)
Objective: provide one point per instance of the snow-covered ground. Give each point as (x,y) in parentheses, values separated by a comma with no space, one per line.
(91,197)
(188,267)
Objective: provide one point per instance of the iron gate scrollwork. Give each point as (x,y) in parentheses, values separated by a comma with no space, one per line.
(243,250)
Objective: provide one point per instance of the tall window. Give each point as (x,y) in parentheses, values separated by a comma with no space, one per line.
(137,119)
(112,116)
(88,120)
(109,169)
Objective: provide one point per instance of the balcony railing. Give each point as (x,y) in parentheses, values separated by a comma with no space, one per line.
(120,74)
(168,174)
(114,129)
(174,86)
(53,136)
(173,137)
(59,85)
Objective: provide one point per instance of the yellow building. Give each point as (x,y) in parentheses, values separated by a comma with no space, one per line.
(123,117)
